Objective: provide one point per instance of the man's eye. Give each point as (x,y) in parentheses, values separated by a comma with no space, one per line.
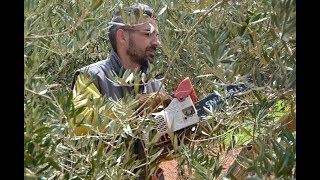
(151,34)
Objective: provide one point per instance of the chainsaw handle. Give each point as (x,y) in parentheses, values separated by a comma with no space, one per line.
(185,89)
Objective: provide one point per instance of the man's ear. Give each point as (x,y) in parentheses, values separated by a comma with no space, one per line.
(122,36)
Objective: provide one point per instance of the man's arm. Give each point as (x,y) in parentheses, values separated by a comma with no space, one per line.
(83,90)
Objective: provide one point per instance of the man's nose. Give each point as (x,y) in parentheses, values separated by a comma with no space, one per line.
(156,41)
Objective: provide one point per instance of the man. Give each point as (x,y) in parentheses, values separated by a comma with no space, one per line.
(133,48)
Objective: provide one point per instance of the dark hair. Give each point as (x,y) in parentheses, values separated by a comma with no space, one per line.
(136,9)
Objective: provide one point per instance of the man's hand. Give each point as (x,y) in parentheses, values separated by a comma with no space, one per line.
(153,102)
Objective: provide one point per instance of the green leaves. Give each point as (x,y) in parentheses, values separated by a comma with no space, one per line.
(96,4)
(205,166)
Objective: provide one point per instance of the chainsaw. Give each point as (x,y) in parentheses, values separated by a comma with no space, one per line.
(186,110)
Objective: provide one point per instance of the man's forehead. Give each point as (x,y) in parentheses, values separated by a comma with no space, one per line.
(149,23)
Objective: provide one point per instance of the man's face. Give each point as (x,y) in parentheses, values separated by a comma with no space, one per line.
(143,42)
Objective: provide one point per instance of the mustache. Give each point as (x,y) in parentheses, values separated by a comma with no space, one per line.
(152,48)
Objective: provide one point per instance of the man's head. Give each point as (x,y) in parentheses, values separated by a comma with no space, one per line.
(136,40)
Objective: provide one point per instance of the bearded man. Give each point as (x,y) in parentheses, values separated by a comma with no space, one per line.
(134,46)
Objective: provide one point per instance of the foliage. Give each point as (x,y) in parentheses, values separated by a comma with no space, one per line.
(212,42)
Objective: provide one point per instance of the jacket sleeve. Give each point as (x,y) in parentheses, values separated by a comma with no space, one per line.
(154,85)
(86,120)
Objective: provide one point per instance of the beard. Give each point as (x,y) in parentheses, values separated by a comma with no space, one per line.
(139,56)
